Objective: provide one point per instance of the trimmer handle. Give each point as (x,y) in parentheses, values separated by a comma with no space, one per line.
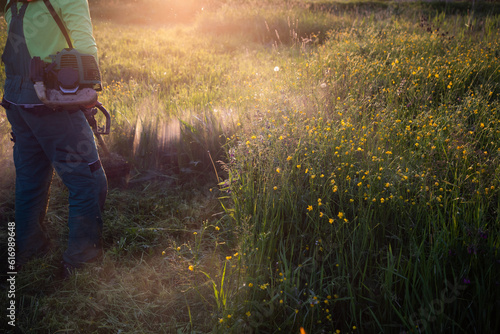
(91,112)
(103,130)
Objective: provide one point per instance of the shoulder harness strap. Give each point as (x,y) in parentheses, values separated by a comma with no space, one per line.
(59,22)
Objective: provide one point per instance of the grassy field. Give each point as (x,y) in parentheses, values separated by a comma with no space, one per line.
(297,166)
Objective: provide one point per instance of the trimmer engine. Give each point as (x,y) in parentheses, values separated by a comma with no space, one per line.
(70,82)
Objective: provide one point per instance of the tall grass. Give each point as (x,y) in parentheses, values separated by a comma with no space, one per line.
(373,200)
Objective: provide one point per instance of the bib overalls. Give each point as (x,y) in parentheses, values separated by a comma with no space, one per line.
(45,140)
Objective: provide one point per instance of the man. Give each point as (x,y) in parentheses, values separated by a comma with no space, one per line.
(47,139)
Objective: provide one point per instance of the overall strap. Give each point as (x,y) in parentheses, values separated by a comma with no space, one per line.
(14,8)
(14,11)
(59,22)
(18,88)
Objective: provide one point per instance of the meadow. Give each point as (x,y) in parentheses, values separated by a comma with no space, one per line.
(297,166)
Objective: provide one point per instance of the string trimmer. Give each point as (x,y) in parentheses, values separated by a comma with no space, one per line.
(71,82)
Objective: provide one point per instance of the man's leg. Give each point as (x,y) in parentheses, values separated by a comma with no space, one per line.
(69,144)
(33,177)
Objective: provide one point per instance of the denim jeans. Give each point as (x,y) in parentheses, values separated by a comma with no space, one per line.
(63,141)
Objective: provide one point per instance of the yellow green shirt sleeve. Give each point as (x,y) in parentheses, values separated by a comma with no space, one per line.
(42,34)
